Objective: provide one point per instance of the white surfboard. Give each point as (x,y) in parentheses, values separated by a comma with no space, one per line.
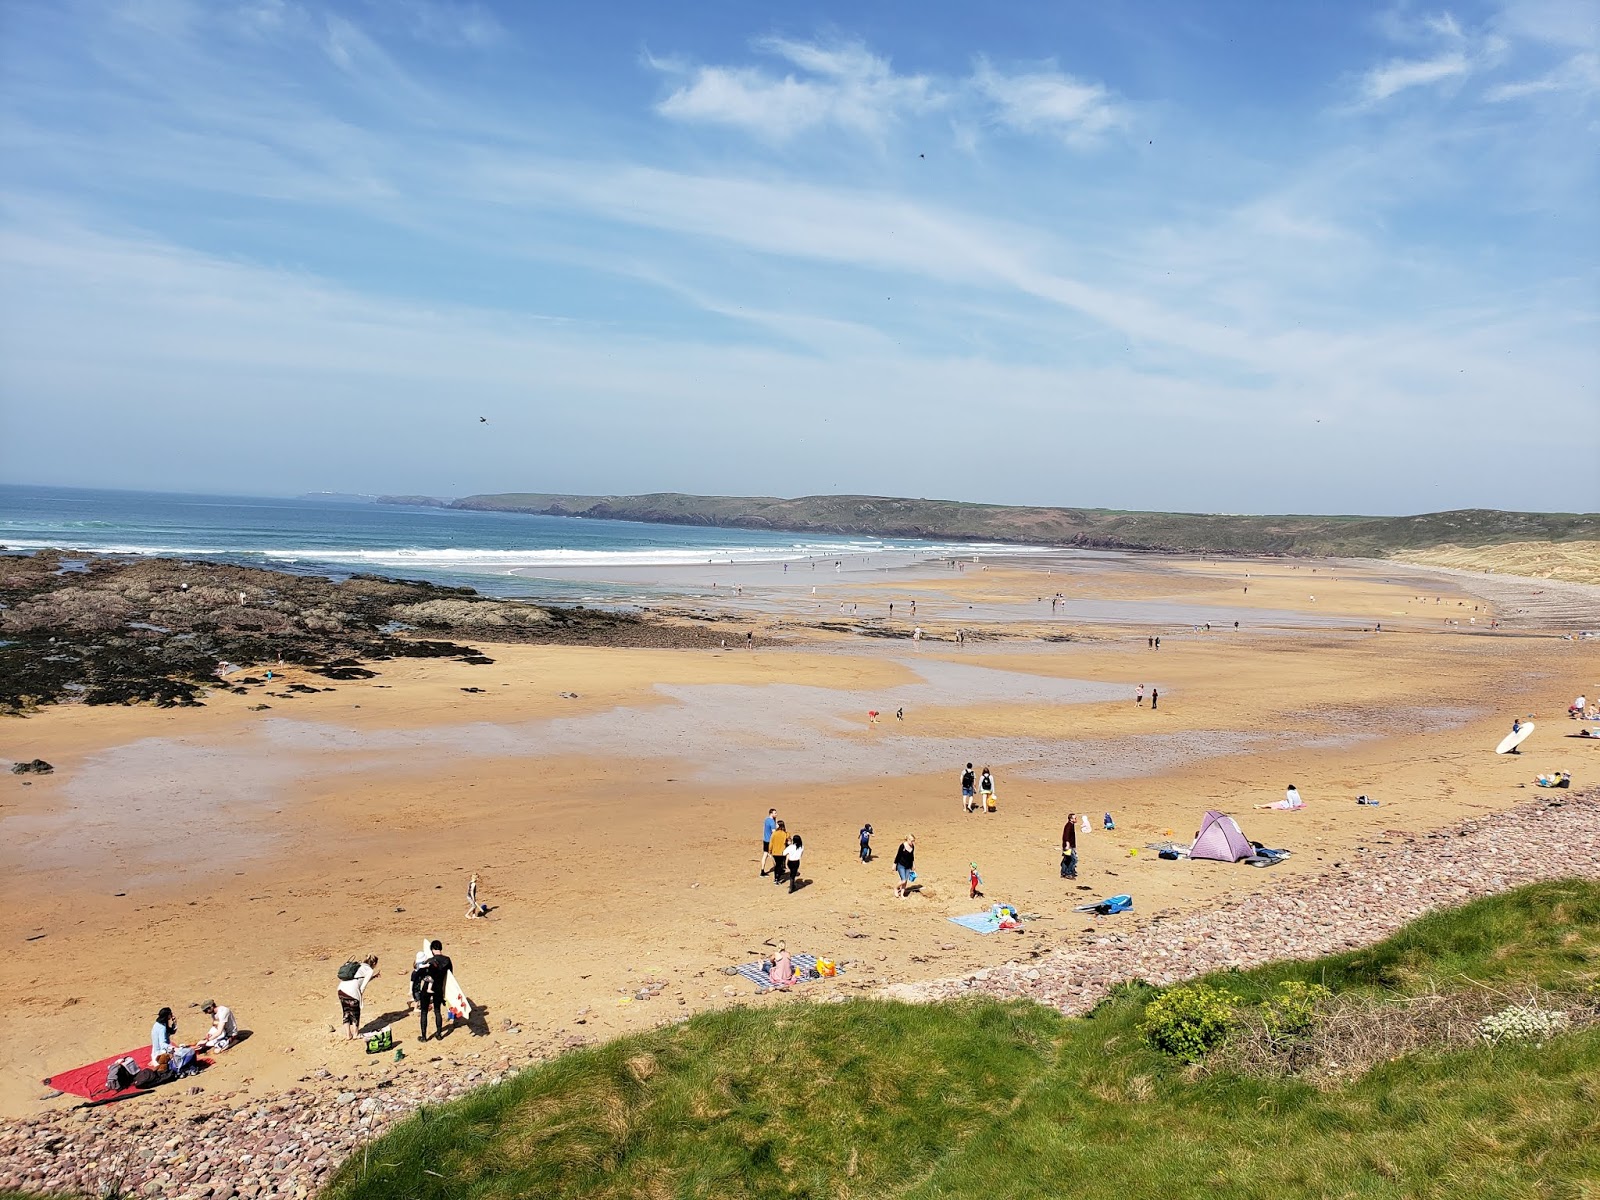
(1512,740)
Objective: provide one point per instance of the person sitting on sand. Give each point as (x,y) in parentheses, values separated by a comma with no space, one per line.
(224,1029)
(1291,800)
(161,1033)
(781,970)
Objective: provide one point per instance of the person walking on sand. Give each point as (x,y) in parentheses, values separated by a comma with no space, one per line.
(780,838)
(1158,643)
(475,908)
(905,863)
(866,843)
(968,788)
(767,827)
(974,881)
(1155,699)
(791,854)
(986,788)
(1138,696)
(1069,847)
(350,992)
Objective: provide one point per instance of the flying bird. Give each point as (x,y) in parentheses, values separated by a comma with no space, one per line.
(483,420)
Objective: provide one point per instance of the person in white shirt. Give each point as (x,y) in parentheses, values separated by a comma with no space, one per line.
(224,1029)
(1578,706)
(350,992)
(791,854)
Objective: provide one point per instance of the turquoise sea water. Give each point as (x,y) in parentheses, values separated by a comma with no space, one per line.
(443,545)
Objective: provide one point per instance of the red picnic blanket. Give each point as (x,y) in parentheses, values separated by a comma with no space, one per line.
(90,1081)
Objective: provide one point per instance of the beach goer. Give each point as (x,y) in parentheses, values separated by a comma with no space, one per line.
(974,881)
(431,993)
(224,1029)
(1290,802)
(1155,699)
(866,843)
(161,1033)
(899,714)
(968,784)
(1158,643)
(986,788)
(419,972)
(1138,696)
(351,991)
(781,970)
(780,838)
(767,827)
(475,908)
(1578,706)
(1069,847)
(791,854)
(905,863)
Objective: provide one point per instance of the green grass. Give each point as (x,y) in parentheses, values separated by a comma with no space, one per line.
(876,1099)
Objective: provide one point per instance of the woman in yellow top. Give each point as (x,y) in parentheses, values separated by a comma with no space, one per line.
(780,839)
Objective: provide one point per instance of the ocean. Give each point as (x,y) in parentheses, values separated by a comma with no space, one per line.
(499,554)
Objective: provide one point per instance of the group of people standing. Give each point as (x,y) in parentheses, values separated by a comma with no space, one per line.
(429,975)
(781,851)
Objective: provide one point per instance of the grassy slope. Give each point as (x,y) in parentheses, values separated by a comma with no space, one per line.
(898,517)
(874,1099)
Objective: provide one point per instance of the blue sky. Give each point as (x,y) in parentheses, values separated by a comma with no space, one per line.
(1224,257)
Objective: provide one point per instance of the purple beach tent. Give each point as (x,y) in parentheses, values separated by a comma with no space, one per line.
(1220,838)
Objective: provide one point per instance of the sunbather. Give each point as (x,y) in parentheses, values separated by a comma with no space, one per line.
(781,972)
(1291,800)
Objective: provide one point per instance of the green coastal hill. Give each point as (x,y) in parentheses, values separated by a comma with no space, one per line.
(1220,533)
(1457,1060)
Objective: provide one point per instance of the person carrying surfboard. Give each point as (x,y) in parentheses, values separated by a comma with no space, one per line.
(431,994)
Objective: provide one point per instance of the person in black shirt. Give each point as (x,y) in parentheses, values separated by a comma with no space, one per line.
(969,783)
(429,980)
(905,861)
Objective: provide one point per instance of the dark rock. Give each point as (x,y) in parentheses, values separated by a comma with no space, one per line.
(37,767)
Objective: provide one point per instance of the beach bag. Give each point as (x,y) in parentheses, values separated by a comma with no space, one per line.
(383,1040)
(119,1075)
(148,1077)
(348,971)
(826,966)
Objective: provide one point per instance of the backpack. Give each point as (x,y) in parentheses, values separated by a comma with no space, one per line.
(119,1075)
(148,1077)
(348,971)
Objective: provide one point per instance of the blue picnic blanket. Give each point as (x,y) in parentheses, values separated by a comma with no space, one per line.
(805,970)
(984,922)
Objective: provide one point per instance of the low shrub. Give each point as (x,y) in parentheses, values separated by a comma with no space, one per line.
(1188,1022)
(1523,1023)
(1290,1013)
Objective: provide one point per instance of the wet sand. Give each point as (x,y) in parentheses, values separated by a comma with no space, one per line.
(616,831)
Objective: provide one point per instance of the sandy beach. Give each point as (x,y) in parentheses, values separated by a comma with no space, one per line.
(611,798)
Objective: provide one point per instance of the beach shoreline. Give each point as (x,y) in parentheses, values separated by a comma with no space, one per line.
(609,797)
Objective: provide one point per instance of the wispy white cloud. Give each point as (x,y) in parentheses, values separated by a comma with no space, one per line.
(847,86)
(1398,74)
(1048,101)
